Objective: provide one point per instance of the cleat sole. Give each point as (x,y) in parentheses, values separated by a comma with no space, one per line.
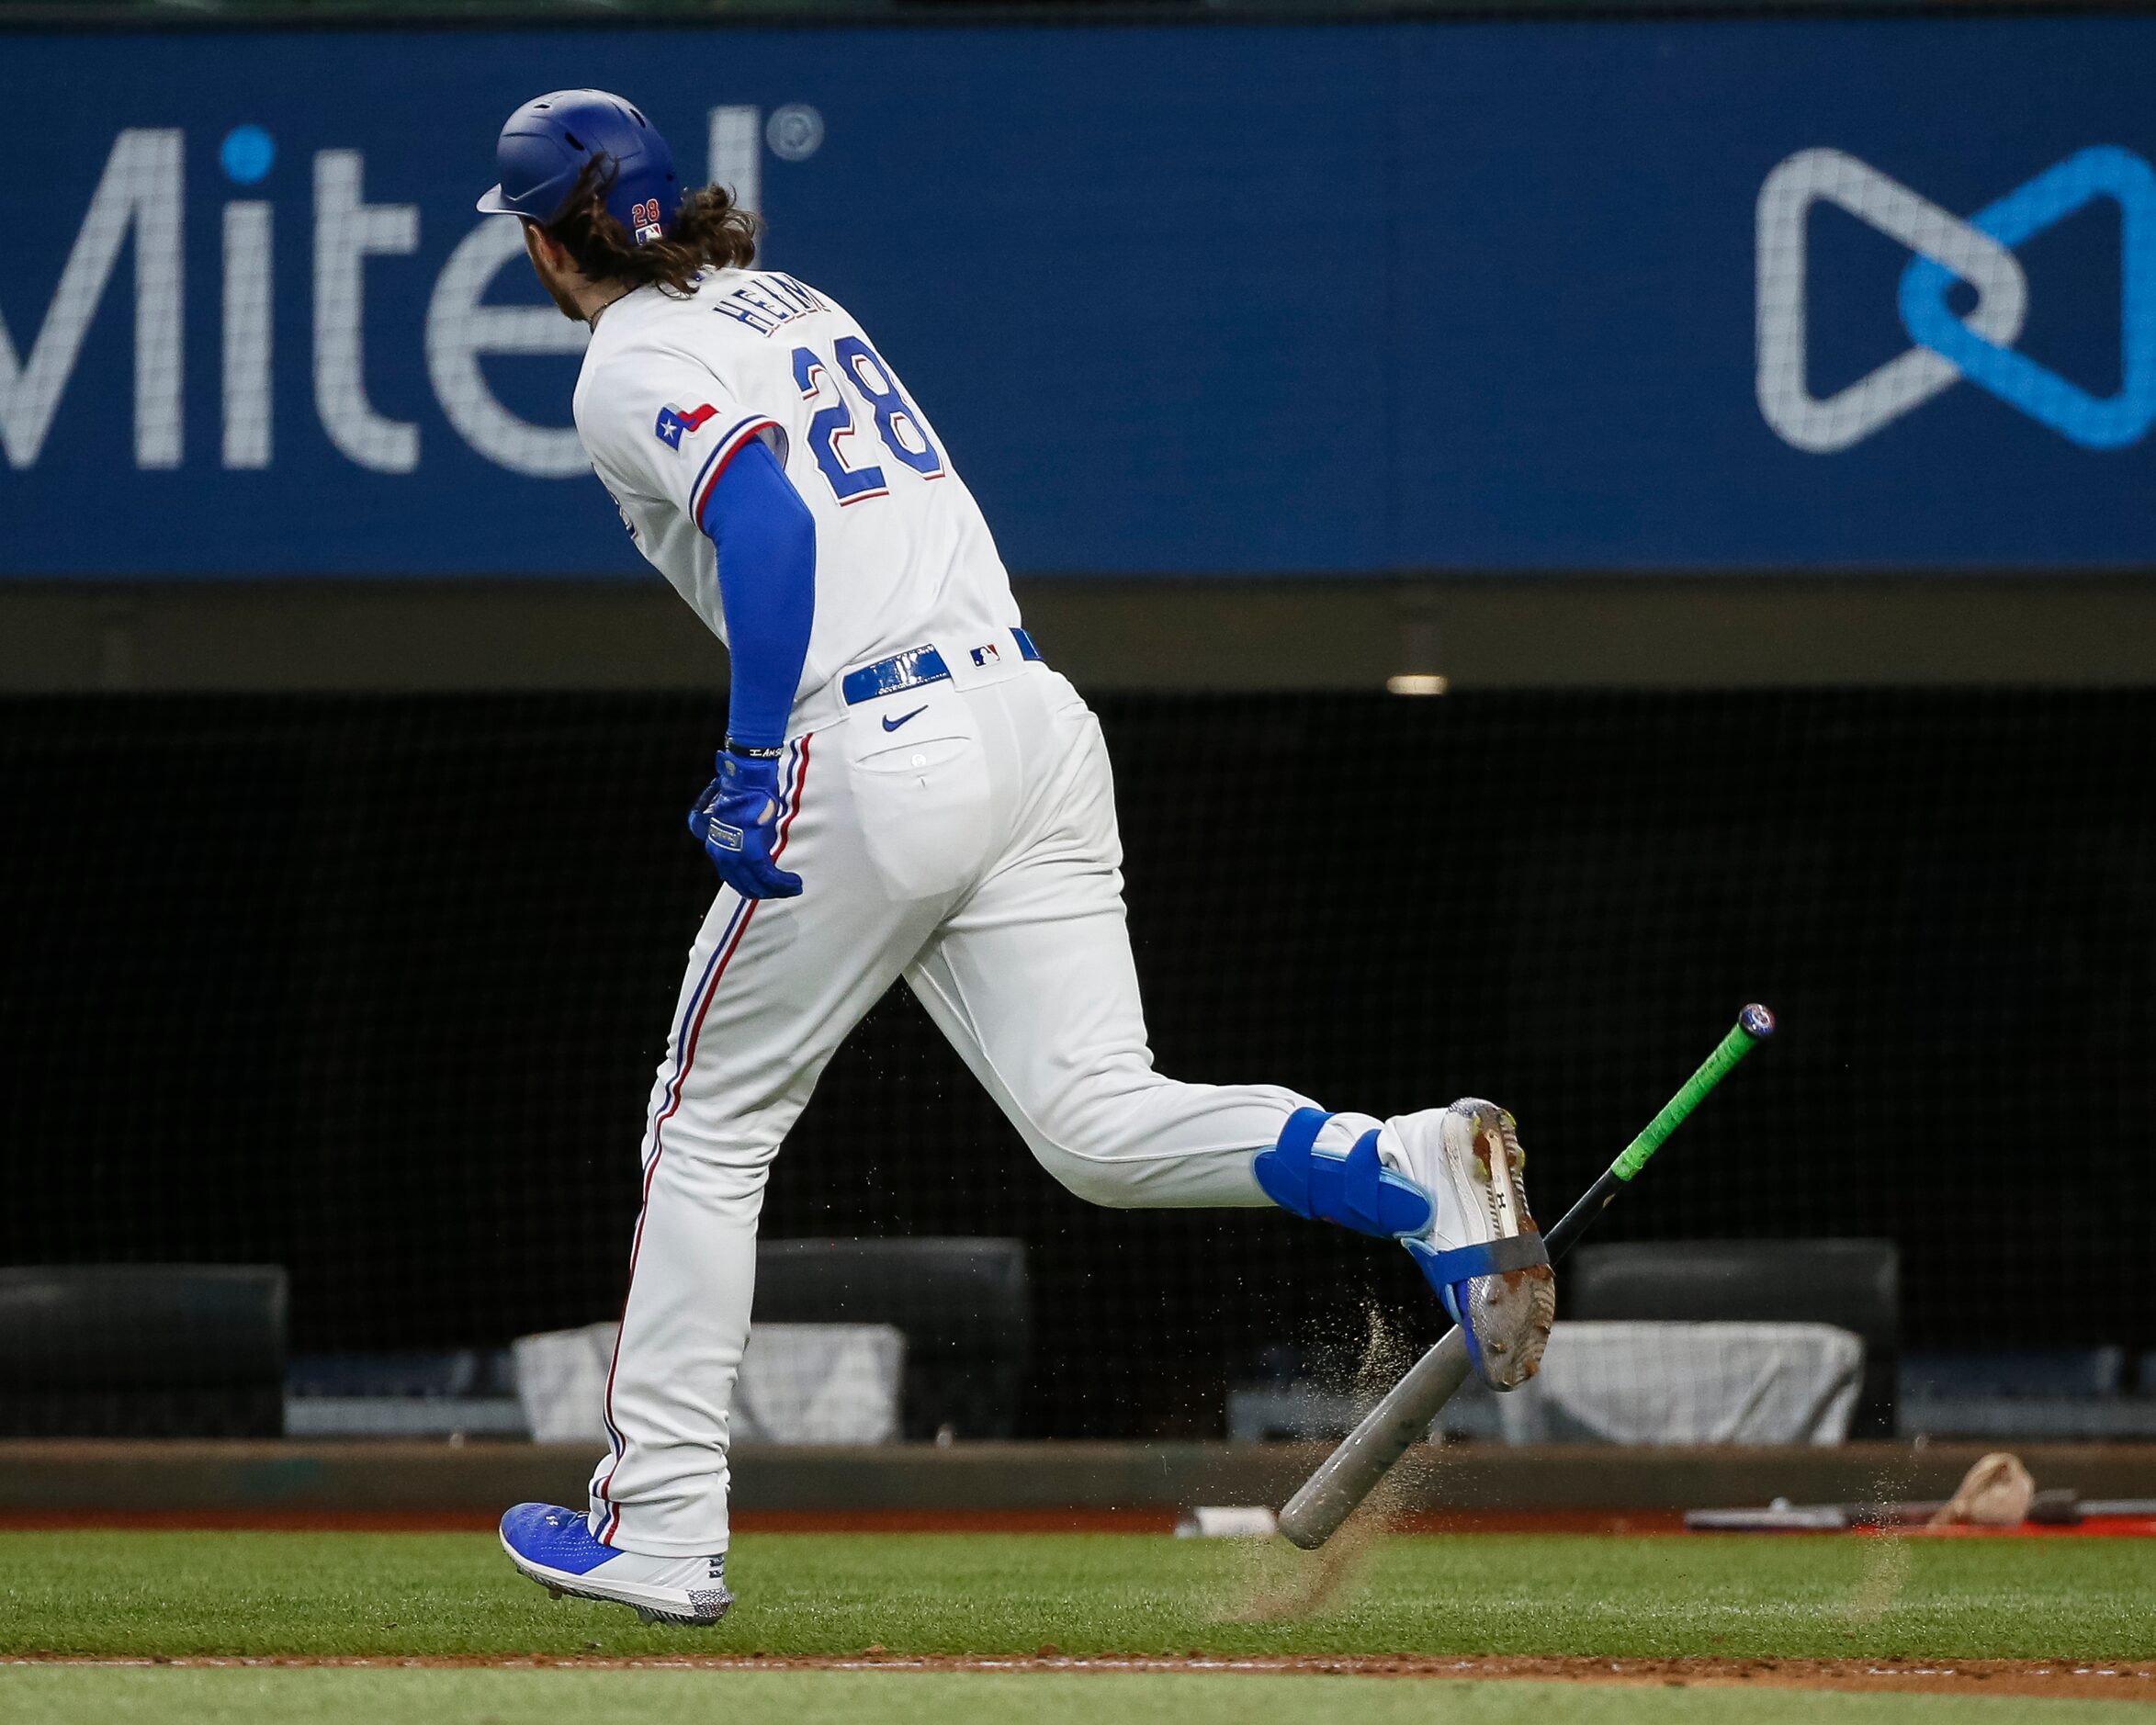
(562,1589)
(1514,1310)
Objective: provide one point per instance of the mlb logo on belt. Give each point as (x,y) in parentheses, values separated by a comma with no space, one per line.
(673,424)
(986,655)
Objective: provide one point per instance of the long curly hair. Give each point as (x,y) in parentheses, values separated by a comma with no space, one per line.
(709,230)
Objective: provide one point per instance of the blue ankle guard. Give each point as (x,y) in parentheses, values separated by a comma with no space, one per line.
(1356,1190)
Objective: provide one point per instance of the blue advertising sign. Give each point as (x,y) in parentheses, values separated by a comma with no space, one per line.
(1369,299)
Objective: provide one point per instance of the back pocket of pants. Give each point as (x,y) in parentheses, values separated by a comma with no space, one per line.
(922,801)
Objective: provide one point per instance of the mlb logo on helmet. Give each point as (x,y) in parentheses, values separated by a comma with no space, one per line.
(673,424)
(645,223)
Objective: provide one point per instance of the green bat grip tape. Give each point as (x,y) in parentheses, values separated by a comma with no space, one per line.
(1753,1024)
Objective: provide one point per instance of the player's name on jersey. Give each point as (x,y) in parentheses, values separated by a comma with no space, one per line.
(768,299)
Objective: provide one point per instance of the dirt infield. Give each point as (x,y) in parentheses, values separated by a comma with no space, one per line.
(2053,1678)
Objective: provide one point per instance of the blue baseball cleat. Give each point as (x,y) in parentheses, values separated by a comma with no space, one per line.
(555,1548)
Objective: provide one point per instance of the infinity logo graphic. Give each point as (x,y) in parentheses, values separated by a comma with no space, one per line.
(1979,346)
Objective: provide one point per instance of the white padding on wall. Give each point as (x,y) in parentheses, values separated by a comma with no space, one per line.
(800,1383)
(1689,1383)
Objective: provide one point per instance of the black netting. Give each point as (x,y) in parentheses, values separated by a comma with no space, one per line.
(373,989)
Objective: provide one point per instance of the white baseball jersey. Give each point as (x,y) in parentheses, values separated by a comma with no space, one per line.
(673,388)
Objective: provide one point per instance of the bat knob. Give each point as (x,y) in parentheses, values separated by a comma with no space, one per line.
(1756,1019)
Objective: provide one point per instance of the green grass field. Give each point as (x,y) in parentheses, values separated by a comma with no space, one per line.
(164,1596)
(160,1595)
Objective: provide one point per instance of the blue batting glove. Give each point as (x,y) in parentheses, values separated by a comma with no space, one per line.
(736,821)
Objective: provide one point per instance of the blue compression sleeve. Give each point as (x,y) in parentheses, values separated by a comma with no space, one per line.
(766,541)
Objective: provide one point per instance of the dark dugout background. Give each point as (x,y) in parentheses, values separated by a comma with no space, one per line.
(373,987)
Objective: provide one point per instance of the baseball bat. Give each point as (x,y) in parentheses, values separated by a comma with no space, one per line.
(1364,1457)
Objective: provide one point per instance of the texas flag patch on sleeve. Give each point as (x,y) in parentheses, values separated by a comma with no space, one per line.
(674,425)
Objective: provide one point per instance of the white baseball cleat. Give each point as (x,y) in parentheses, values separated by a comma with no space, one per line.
(1482,1251)
(555,1548)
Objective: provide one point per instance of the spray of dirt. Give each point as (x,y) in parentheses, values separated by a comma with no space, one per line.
(1275,1582)
(1885,1571)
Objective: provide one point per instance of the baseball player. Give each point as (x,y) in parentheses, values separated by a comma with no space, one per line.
(906,790)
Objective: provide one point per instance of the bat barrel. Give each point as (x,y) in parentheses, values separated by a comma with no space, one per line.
(1347,1476)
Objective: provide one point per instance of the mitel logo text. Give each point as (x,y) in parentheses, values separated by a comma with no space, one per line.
(140,197)
(1978,346)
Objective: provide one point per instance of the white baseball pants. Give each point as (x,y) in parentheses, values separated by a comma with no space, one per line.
(961,834)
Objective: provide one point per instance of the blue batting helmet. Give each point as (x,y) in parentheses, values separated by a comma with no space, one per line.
(546,143)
